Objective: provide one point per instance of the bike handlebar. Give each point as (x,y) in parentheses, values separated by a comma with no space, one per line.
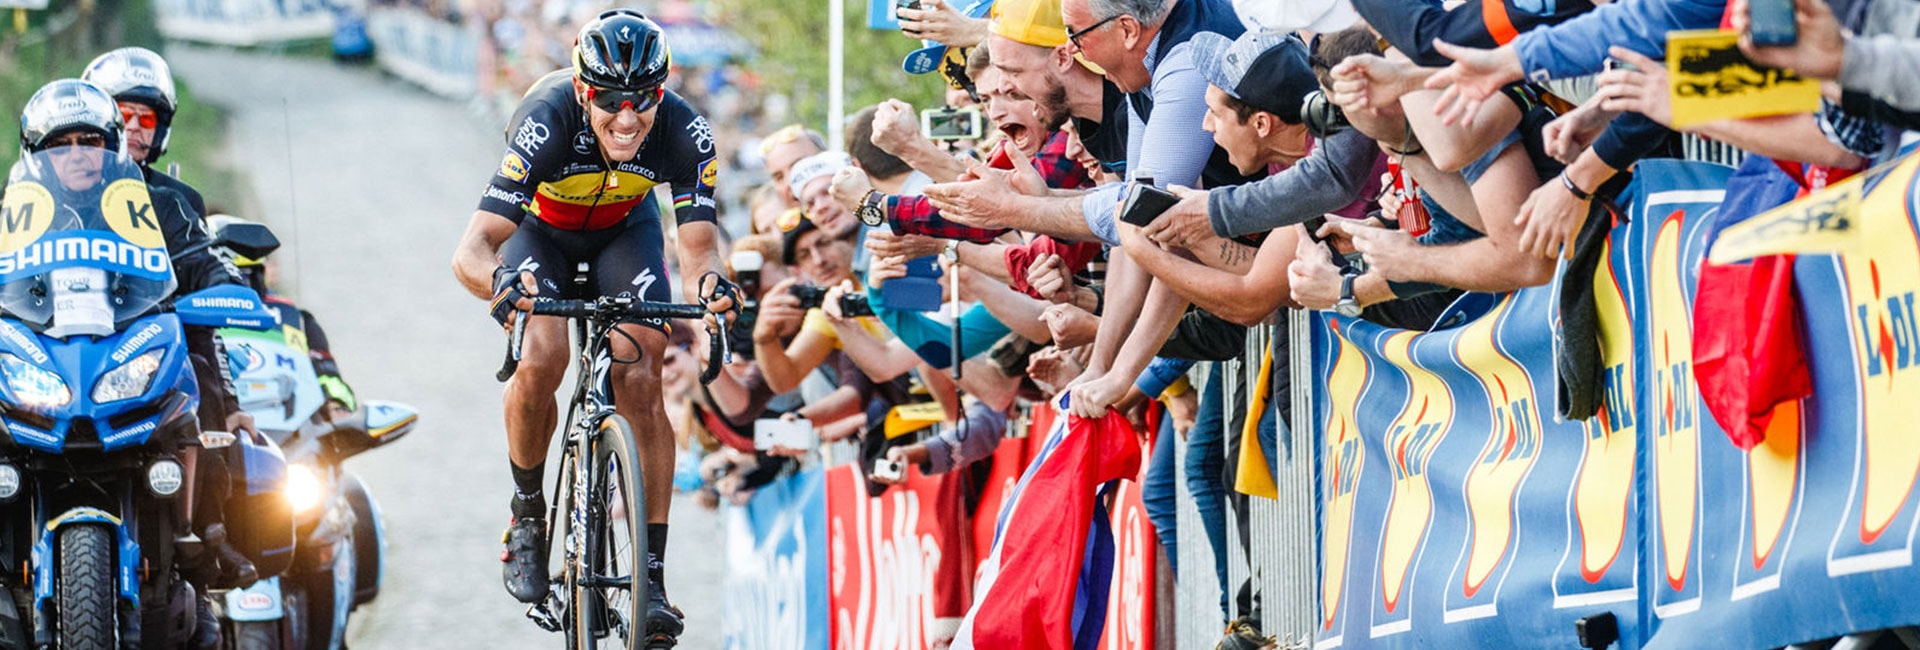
(719,351)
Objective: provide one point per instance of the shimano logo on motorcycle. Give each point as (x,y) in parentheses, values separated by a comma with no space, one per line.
(85,249)
(20,340)
(133,344)
(222,303)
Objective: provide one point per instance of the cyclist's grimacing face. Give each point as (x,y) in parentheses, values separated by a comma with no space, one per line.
(620,134)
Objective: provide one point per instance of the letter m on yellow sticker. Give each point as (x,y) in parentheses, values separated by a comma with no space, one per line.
(25,215)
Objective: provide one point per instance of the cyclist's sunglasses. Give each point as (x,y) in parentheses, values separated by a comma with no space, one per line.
(148,120)
(614,101)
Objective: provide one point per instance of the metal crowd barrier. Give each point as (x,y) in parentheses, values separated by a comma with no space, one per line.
(1285,553)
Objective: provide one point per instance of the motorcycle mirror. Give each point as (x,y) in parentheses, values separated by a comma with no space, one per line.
(376,424)
(251,240)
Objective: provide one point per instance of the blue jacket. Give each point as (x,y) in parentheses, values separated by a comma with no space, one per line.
(1578,47)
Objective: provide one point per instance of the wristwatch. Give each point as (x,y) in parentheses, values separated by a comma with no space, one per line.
(1347,306)
(870,212)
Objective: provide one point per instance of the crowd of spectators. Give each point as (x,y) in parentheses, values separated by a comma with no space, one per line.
(1373,157)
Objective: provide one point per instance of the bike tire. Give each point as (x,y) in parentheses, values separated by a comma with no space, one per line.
(616,544)
(86,593)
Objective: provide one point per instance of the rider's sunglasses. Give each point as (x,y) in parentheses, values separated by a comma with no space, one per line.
(147,120)
(614,101)
(93,140)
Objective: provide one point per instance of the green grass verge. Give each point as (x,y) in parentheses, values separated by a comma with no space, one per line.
(28,61)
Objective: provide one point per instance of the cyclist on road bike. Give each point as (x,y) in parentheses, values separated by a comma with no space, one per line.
(585,150)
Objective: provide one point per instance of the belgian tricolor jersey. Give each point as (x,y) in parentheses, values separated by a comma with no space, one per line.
(553,168)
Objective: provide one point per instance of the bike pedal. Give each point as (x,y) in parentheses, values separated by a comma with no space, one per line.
(543,613)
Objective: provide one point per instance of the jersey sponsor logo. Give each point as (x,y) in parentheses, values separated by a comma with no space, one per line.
(702,134)
(587,189)
(583,142)
(129,211)
(530,136)
(637,168)
(709,172)
(503,195)
(513,167)
(644,280)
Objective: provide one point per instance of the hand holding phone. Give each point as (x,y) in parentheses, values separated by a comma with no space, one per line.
(1144,203)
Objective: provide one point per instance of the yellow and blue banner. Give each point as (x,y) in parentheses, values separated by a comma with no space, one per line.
(1457,512)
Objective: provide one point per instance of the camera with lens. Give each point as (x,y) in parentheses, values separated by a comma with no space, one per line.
(811,296)
(1323,117)
(854,304)
(746,274)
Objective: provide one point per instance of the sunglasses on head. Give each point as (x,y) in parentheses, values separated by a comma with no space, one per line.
(145,120)
(614,101)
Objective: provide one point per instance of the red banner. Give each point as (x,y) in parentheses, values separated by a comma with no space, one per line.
(900,563)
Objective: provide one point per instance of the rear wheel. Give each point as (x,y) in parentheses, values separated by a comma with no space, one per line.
(610,580)
(86,591)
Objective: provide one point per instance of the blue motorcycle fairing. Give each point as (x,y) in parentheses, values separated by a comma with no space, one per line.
(81,361)
(226,305)
(127,571)
(256,602)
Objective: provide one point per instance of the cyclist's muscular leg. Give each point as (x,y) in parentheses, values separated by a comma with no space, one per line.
(636,389)
(529,404)
(531,415)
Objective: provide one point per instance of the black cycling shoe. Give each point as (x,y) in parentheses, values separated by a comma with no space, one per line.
(664,621)
(523,563)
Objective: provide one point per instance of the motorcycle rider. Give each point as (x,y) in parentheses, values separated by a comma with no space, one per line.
(586,148)
(81,123)
(340,398)
(142,84)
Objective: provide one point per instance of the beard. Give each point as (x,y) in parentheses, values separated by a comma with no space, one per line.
(1054,110)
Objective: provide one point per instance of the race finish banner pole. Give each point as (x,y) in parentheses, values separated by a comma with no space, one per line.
(20,9)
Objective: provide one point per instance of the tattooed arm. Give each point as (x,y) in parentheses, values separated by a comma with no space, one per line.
(1228,278)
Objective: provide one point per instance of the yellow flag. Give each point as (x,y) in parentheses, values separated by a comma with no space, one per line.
(1828,221)
(908,418)
(1710,79)
(1253,476)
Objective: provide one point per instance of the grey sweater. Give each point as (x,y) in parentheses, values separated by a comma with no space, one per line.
(1883,66)
(1326,180)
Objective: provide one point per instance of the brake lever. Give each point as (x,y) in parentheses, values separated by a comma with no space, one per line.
(514,338)
(719,351)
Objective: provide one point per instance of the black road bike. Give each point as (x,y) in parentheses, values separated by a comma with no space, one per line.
(599,515)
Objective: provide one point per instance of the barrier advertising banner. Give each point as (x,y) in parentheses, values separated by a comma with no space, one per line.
(1456,511)
(243,22)
(776,590)
(900,563)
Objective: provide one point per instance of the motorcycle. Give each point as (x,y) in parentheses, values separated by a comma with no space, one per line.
(340,542)
(97,398)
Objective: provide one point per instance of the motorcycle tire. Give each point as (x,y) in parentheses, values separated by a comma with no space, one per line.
(323,599)
(368,545)
(613,617)
(260,635)
(86,593)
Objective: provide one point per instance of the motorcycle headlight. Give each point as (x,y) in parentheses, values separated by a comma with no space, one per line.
(303,488)
(9,481)
(128,381)
(165,476)
(32,385)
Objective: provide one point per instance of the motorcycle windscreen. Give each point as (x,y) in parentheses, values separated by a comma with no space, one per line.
(82,250)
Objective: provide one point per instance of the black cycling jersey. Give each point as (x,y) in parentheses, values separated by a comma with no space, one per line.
(554,169)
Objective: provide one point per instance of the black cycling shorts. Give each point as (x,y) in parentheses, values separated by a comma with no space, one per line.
(627,260)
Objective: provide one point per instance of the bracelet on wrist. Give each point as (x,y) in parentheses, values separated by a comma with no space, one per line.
(1573,188)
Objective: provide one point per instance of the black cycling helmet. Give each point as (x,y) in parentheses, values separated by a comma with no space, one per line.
(621,50)
(65,106)
(137,74)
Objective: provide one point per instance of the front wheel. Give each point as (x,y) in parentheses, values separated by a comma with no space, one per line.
(610,582)
(86,594)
